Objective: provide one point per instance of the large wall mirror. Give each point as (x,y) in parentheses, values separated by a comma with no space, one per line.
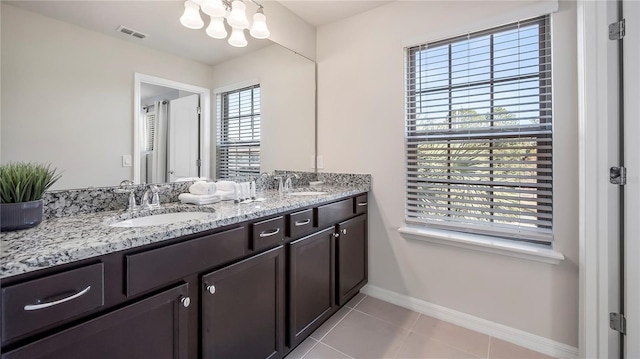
(68,90)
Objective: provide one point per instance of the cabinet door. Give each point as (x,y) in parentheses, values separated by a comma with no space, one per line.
(351,266)
(151,328)
(311,284)
(243,308)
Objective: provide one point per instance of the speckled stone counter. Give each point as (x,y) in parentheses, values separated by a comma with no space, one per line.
(63,240)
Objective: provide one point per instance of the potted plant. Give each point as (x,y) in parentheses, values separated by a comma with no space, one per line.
(21,188)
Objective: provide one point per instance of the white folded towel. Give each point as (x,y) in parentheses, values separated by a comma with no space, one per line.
(202,188)
(198,199)
(226,195)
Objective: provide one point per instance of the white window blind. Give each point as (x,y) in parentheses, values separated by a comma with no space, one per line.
(238,132)
(150,130)
(479,132)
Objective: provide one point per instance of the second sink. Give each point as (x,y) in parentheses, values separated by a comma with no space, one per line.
(159,219)
(307,193)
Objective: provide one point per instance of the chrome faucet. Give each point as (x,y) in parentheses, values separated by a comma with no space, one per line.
(154,201)
(127,186)
(288,185)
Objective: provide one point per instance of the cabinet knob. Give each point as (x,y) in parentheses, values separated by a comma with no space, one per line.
(211,289)
(336,235)
(344,231)
(186,301)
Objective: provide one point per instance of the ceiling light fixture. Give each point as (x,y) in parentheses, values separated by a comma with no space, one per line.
(235,11)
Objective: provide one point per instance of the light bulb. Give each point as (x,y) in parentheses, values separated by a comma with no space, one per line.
(259,28)
(216,28)
(191,18)
(238,16)
(213,8)
(237,38)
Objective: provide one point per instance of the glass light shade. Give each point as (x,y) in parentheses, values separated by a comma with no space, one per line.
(238,16)
(213,8)
(198,2)
(237,38)
(216,28)
(259,28)
(191,18)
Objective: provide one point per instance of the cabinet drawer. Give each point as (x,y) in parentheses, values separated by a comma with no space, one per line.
(335,212)
(156,267)
(41,302)
(300,223)
(361,204)
(267,233)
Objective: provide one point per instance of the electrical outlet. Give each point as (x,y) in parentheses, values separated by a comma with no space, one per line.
(320,162)
(126,160)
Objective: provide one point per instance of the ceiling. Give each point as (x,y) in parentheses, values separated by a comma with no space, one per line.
(321,12)
(160,21)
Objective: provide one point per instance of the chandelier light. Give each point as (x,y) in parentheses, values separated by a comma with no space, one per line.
(234,11)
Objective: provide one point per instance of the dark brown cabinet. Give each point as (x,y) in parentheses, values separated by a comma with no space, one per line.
(311,283)
(243,308)
(351,253)
(254,289)
(155,327)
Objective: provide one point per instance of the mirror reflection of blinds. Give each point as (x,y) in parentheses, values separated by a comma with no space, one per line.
(238,132)
(150,127)
(479,132)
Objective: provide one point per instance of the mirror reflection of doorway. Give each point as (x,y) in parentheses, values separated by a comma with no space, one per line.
(172,138)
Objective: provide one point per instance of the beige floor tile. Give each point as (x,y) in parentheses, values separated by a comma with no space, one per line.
(501,349)
(467,340)
(330,323)
(419,346)
(363,336)
(355,300)
(302,349)
(391,313)
(322,351)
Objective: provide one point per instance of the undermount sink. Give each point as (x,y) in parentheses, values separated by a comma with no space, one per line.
(307,193)
(158,219)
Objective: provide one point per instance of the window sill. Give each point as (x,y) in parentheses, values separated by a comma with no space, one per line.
(529,251)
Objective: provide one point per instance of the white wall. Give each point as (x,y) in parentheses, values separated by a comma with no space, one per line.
(361,129)
(68,96)
(287,86)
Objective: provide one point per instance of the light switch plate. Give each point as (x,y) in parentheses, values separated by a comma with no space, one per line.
(126,160)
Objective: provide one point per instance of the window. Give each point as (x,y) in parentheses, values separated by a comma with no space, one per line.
(238,132)
(479,133)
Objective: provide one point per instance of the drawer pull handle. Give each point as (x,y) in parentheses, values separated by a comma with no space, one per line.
(362,204)
(302,223)
(30,307)
(269,234)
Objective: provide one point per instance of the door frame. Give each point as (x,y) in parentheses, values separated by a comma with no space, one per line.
(596,104)
(205,119)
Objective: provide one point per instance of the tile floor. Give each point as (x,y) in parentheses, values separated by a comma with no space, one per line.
(370,328)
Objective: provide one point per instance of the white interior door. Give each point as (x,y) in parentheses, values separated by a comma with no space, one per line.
(631,13)
(183,139)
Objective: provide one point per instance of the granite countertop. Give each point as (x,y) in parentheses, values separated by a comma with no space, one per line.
(63,240)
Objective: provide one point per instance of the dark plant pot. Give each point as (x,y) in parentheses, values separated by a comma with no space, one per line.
(23,215)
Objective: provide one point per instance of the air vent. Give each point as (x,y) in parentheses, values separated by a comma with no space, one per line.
(127,31)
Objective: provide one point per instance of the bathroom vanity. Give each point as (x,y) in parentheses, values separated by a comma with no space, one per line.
(249,281)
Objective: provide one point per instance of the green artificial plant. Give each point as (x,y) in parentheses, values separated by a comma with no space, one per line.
(25,182)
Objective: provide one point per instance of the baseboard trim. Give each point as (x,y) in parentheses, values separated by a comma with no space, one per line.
(500,331)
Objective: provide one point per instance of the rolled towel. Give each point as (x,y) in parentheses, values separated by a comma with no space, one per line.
(203,188)
(198,199)
(227,186)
